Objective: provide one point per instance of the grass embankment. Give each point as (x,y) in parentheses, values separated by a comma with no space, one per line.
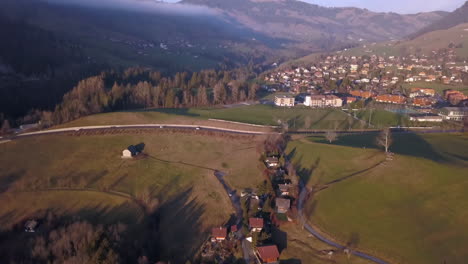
(97,185)
(382,118)
(252,114)
(412,209)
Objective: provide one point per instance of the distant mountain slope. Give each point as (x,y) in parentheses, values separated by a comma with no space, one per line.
(303,22)
(455,18)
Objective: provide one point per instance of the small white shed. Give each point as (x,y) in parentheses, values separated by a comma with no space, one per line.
(126,154)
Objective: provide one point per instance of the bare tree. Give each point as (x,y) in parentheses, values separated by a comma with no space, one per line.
(307,122)
(5,127)
(331,136)
(384,139)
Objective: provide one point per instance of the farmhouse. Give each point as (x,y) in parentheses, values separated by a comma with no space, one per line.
(282,205)
(272,162)
(284,100)
(256,224)
(218,234)
(268,254)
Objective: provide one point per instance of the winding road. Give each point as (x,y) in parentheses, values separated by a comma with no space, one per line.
(315,233)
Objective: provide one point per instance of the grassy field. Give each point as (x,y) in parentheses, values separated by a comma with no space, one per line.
(382,118)
(412,209)
(251,114)
(437,86)
(304,248)
(84,177)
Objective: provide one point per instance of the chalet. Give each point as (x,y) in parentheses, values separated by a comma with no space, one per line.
(31,226)
(454,113)
(390,98)
(283,189)
(268,254)
(218,234)
(272,162)
(284,100)
(423,101)
(282,205)
(256,224)
(421,92)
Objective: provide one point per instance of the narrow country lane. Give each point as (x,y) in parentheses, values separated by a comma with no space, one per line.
(302,197)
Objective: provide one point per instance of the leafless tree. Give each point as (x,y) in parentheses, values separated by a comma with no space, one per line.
(5,127)
(307,122)
(384,139)
(331,136)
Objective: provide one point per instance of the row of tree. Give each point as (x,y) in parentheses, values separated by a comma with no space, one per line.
(138,88)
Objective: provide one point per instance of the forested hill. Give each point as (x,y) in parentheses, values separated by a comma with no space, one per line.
(138,88)
(324,27)
(457,17)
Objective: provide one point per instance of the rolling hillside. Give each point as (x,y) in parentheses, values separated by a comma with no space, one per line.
(326,28)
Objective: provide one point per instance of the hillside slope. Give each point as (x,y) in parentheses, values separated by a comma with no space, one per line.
(457,17)
(326,27)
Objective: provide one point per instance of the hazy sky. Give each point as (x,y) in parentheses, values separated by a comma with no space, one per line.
(399,6)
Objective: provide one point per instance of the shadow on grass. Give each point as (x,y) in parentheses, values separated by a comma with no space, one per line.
(172,111)
(409,144)
(174,231)
(7,181)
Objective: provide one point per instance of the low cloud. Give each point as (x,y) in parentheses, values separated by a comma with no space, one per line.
(147,6)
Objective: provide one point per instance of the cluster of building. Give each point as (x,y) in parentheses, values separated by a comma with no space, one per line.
(339,80)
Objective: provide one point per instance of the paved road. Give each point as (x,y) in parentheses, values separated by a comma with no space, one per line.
(310,229)
(138,126)
(236,203)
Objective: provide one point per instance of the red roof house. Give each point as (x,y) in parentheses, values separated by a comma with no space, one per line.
(268,254)
(219,233)
(256,224)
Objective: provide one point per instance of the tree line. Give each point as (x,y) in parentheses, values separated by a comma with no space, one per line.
(140,88)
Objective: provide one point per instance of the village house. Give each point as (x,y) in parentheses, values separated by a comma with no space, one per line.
(218,234)
(454,113)
(255,224)
(390,98)
(323,101)
(421,92)
(268,254)
(272,162)
(424,101)
(283,189)
(31,226)
(284,100)
(282,205)
(361,94)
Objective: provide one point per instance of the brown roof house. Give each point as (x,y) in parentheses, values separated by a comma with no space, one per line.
(272,162)
(282,205)
(283,189)
(256,224)
(268,254)
(218,234)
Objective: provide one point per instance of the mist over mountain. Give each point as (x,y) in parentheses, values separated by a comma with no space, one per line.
(303,22)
